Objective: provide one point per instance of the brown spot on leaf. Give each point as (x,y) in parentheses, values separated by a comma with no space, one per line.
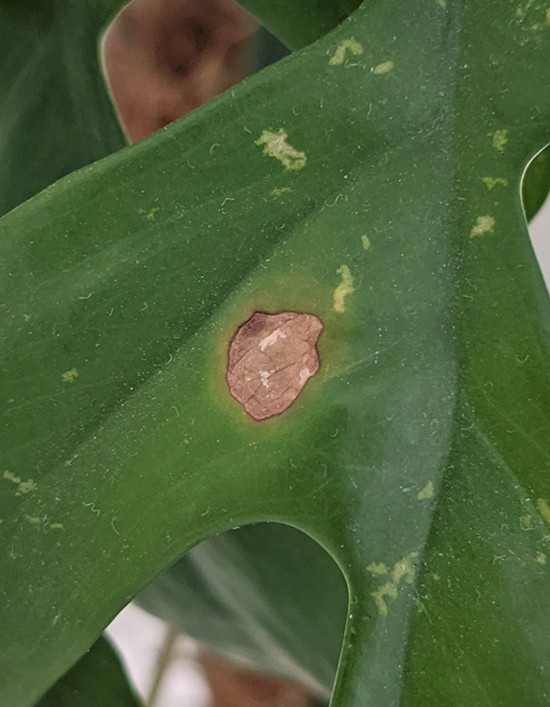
(270,359)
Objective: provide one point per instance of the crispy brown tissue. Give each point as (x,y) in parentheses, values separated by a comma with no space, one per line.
(270,359)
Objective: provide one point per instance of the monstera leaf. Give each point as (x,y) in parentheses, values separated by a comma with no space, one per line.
(367,191)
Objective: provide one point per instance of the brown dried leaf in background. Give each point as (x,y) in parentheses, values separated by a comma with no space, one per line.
(236,687)
(163,58)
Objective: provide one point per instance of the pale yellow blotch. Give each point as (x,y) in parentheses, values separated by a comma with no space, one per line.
(27,486)
(544,509)
(365,240)
(151,214)
(56,526)
(441,3)
(388,590)
(9,476)
(275,145)
(526,522)
(384,68)
(426,493)
(23,487)
(436,577)
(377,569)
(33,520)
(499,139)
(548,16)
(348,45)
(344,289)
(540,558)
(403,572)
(404,569)
(70,376)
(482,226)
(492,182)
(279,191)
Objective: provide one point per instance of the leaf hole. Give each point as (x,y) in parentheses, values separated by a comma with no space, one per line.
(536,204)
(267,606)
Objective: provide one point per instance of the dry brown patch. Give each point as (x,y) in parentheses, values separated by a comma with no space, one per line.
(270,359)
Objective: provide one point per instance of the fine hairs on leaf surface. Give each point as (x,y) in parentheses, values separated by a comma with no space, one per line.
(371,179)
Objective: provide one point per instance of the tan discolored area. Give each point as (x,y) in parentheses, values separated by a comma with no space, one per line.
(270,359)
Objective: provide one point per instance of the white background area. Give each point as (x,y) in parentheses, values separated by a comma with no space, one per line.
(139,639)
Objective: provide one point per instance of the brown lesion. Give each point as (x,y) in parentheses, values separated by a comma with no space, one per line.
(270,359)
(163,58)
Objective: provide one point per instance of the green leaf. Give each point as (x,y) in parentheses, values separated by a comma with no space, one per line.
(299,24)
(48,55)
(417,456)
(97,679)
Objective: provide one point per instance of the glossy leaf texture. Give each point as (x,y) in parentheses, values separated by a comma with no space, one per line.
(417,456)
(97,679)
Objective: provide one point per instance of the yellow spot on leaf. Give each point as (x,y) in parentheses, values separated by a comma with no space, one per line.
(403,572)
(344,289)
(275,145)
(426,493)
(22,486)
(348,45)
(499,139)
(56,526)
(441,3)
(526,522)
(386,591)
(33,520)
(279,191)
(384,68)
(11,477)
(404,569)
(27,486)
(483,225)
(544,509)
(492,182)
(70,376)
(365,240)
(377,569)
(540,558)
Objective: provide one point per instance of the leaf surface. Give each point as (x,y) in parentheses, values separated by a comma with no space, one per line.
(417,456)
